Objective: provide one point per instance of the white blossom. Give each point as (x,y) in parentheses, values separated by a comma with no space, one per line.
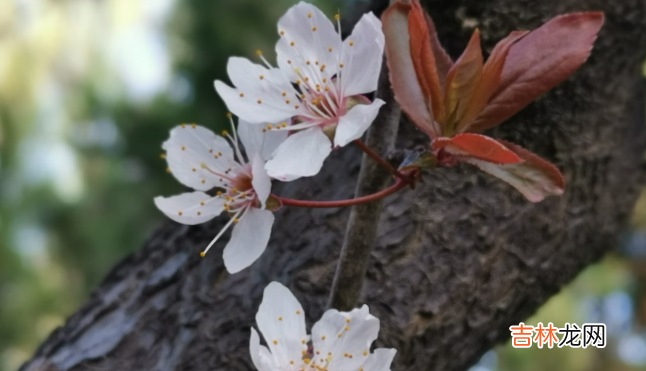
(315,91)
(202,160)
(340,341)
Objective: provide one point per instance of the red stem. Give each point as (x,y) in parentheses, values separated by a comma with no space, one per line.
(380,160)
(399,184)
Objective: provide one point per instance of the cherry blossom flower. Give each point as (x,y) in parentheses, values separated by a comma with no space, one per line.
(452,102)
(202,160)
(340,340)
(315,93)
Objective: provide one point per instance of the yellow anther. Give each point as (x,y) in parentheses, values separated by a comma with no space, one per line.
(284,94)
(211,150)
(225,207)
(298,312)
(193,169)
(281,32)
(182,125)
(259,101)
(291,362)
(201,203)
(303,341)
(327,88)
(280,318)
(235,220)
(291,43)
(314,102)
(365,352)
(287,101)
(219,153)
(306,79)
(314,28)
(316,63)
(307,63)
(215,156)
(323,337)
(322,68)
(224,132)
(162,155)
(179,213)
(258,52)
(229,115)
(346,328)
(264,130)
(202,254)
(268,127)
(289,61)
(351,43)
(309,15)
(324,80)
(234,189)
(203,181)
(347,320)
(302,96)
(183,148)
(199,213)
(284,124)
(306,361)
(275,342)
(318,352)
(329,49)
(243,194)
(341,65)
(193,126)
(261,77)
(339,335)
(218,193)
(241,95)
(298,82)
(296,106)
(168,170)
(337,16)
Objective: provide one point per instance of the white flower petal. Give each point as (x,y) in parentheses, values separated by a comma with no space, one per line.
(354,123)
(256,141)
(281,321)
(302,154)
(261,182)
(362,61)
(260,355)
(190,208)
(380,360)
(258,93)
(343,333)
(191,146)
(248,239)
(314,39)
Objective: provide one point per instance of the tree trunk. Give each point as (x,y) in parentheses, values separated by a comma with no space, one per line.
(457,260)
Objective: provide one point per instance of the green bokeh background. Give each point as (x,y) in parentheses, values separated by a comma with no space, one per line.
(89,91)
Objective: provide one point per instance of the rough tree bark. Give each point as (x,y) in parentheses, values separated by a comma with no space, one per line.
(457,260)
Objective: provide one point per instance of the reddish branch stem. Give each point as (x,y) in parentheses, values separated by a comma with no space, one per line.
(380,160)
(399,184)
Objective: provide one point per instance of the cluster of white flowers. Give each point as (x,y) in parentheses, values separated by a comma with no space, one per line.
(340,341)
(290,119)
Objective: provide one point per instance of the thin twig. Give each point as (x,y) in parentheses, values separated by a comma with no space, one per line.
(381,161)
(362,225)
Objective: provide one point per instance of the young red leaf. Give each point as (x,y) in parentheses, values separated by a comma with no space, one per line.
(462,83)
(491,74)
(407,90)
(535,178)
(538,62)
(424,61)
(443,62)
(478,147)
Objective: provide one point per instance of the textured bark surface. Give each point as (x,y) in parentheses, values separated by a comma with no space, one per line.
(457,260)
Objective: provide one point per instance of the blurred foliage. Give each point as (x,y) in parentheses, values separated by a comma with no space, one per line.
(88,92)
